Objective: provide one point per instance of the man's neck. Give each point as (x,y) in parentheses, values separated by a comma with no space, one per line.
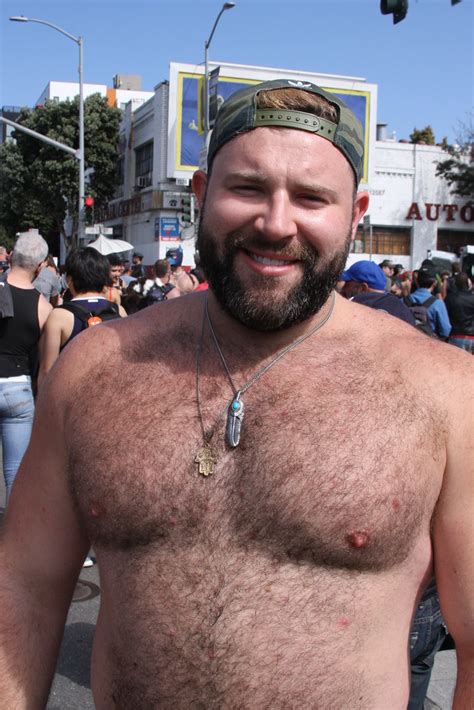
(87,294)
(235,336)
(20,277)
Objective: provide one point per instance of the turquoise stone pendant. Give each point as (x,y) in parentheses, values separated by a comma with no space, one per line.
(235,415)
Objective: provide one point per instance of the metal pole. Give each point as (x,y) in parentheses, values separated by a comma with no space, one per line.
(225,6)
(80,206)
(45,139)
(206,92)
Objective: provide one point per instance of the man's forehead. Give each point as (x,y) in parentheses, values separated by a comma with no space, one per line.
(264,150)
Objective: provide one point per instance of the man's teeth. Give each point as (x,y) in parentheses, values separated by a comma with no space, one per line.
(269,262)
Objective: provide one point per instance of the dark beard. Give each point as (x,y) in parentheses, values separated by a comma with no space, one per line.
(258,306)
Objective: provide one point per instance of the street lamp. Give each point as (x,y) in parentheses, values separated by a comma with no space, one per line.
(225,6)
(81,155)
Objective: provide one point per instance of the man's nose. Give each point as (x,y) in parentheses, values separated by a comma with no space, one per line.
(276,221)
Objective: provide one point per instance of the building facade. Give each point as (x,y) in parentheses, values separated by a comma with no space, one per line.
(412,211)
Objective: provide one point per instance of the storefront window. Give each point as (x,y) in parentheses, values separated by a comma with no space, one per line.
(452,240)
(385,240)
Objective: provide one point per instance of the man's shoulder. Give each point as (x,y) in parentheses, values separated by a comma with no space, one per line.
(143,347)
(113,340)
(391,340)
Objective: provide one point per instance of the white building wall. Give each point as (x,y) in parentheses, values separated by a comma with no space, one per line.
(64,90)
(139,210)
(123,96)
(406,174)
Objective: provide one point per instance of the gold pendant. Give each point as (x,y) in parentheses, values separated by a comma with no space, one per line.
(206,458)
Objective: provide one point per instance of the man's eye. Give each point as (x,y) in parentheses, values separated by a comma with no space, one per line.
(312,198)
(246,188)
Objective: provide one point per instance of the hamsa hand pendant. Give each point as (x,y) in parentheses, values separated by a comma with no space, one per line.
(207,459)
(235,415)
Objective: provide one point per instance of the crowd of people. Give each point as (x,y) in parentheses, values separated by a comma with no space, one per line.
(270,522)
(440,304)
(51,307)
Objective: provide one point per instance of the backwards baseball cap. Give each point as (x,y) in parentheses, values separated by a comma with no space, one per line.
(365,272)
(239,114)
(175,256)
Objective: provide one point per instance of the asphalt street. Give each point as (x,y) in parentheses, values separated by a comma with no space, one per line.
(71,686)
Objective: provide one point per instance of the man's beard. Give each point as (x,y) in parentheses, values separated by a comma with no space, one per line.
(259,305)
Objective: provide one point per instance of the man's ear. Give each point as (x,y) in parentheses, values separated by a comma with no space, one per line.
(199,185)
(361,205)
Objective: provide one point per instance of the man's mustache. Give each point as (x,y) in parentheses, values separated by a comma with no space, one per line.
(291,252)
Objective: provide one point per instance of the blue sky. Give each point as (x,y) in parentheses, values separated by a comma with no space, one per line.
(423,66)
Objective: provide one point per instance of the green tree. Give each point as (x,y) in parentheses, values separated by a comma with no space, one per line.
(458,169)
(39,184)
(7,240)
(425,136)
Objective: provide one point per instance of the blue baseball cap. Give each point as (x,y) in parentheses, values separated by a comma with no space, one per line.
(175,256)
(366,272)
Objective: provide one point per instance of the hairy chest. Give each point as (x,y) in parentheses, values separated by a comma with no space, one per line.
(324,475)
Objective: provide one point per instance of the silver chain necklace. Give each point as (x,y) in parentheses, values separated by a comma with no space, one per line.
(206,457)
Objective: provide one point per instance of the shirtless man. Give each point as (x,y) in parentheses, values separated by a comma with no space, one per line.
(278,566)
(87,274)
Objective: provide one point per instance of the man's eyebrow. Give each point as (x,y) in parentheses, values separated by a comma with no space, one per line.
(316,189)
(247,175)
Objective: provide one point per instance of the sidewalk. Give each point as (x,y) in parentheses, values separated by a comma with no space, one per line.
(71,686)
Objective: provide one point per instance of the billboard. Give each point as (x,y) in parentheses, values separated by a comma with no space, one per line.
(185,137)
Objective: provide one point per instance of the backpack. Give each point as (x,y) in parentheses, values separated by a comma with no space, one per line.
(420,313)
(88,317)
(156,294)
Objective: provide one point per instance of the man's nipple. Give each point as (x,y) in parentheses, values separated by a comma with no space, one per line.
(96,510)
(358,539)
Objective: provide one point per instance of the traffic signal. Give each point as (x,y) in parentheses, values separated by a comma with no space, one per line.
(397,8)
(187,206)
(89,209)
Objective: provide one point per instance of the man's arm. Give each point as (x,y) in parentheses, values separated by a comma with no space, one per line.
(454,533)
(44,309)
(41,552)
(443,324)
(174,293)
(59,323)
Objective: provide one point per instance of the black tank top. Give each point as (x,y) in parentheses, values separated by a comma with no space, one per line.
(19,335)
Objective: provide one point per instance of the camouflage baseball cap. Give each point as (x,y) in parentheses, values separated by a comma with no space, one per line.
(239,114)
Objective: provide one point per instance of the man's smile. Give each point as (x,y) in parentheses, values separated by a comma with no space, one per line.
(268,263)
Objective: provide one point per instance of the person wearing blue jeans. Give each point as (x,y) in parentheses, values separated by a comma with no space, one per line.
(427,635)
(20,329)
(16,419)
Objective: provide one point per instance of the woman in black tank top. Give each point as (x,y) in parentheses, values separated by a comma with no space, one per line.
(18,343)
(19,336)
